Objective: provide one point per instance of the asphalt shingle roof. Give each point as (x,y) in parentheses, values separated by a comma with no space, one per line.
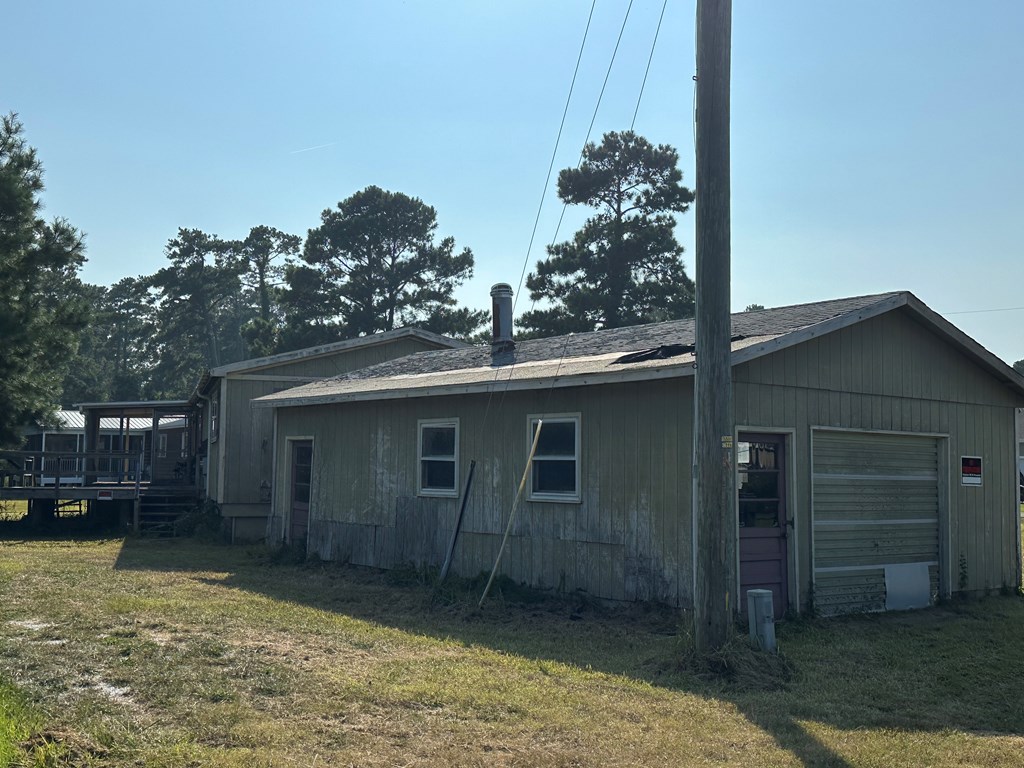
(572,357)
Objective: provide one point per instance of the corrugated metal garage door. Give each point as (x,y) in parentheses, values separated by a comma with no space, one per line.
(876,521)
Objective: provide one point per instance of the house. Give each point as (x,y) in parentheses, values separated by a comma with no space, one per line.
(236,445)
(875,457)
(129,462)
(66,435)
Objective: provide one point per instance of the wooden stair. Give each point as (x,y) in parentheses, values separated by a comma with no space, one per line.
(159,510)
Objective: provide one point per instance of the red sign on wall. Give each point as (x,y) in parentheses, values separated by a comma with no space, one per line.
(970,470)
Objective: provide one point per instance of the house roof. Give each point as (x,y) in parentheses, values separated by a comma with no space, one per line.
(337,346)
(595,357)
(136,408)
(74,421)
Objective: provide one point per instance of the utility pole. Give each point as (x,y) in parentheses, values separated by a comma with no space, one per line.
(715,582)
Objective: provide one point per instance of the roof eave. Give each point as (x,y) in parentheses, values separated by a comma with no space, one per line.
(940,325)
(483,387)
(443,342)
(996,366)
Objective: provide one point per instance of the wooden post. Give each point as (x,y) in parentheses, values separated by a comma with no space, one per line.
(715,583)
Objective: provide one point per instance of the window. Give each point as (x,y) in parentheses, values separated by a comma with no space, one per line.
(438,457)
(214,418)
(161,445)
(555,470)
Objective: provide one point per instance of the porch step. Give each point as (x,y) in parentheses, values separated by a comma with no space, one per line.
(159,512)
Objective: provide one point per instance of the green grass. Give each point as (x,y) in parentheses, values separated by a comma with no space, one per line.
(13,509)
(17,721)
(171,653)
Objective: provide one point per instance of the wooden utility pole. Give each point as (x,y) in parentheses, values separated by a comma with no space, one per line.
(716,532)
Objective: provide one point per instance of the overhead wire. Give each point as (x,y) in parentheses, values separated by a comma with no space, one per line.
(980,311)
(547,180)
(593,118)
(586,140)
(554,152)
(522,277)
(554,238)
(650,58)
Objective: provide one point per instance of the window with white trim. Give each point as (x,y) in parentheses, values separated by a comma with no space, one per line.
(214,418)
(161,445)
(438,457)
(555,469)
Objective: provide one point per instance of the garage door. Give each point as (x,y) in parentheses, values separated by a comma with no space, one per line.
(876,521)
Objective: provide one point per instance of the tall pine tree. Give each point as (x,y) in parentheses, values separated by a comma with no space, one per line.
(42,302)
(624,266)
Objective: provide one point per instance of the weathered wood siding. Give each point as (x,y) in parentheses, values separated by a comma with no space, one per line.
(628,539)
(890,373)
(248,431)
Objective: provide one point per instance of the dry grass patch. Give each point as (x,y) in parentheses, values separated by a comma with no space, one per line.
(170,653)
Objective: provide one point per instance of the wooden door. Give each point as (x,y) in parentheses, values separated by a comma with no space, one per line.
(301,478)
(763,520)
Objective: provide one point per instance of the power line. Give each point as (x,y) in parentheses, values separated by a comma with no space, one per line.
(540,206)
(593,118)
(554,153)
(650,58)
(980,311)
(579,162)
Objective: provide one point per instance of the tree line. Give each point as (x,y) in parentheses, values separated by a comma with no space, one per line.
(375,262)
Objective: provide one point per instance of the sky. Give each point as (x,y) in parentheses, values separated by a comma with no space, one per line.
(876,146)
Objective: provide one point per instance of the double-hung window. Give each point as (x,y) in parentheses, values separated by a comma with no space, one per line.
(438,457)
(161,445)
(214,418)
(555,469)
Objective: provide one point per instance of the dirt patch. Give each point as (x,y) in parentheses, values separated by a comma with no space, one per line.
(32,624)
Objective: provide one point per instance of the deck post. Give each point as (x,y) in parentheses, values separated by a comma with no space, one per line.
(136,513)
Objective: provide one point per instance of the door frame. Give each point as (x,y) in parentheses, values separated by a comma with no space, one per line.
(788,435)
(290,440)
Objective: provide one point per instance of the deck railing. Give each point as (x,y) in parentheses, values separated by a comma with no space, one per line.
(34,469)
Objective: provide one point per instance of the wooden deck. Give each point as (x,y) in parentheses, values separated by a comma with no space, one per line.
(51,479)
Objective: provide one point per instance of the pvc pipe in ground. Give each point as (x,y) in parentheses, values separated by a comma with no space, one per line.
(761,618)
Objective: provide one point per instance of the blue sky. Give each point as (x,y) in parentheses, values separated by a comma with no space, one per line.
(876,145)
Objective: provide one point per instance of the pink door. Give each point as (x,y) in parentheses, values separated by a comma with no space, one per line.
(761,484)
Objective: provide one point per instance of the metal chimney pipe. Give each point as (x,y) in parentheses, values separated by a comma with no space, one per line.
(501,311)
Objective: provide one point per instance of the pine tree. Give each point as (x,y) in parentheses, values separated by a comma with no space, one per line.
(373,265)
(43,304)
(624,266)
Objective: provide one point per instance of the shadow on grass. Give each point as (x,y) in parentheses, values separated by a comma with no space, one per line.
(955,667)
(64,528)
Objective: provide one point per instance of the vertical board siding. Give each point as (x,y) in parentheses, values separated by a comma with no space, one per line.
(895,375)
(249,431)
(621,542)
(630,536)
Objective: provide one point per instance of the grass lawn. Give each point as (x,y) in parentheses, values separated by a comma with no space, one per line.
(13,510)
(172,653)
